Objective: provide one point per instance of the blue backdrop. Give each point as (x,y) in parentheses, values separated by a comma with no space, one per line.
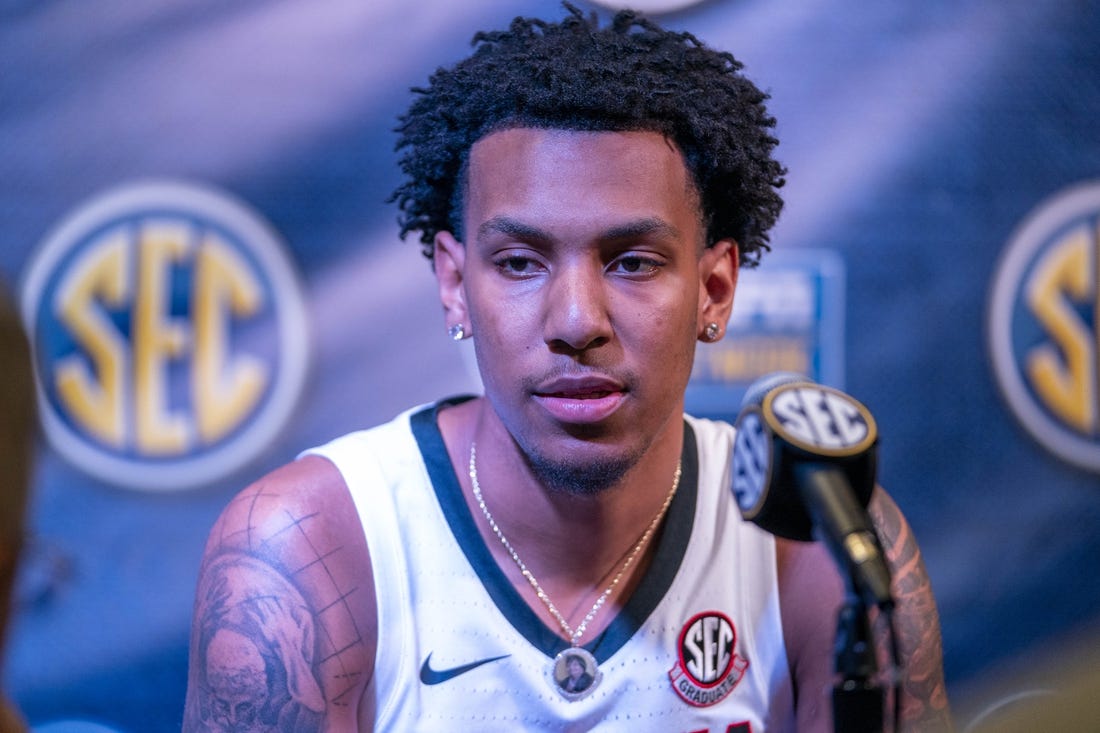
(920,136)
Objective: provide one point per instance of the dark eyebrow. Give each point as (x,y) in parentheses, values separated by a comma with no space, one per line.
(652,226)
(629,230)
(512,228)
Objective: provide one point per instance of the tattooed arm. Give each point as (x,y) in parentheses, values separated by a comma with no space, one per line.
(284,627)
(811,592)
(916,621)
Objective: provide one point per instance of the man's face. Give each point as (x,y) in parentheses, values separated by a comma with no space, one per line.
(239,686)
(584,278)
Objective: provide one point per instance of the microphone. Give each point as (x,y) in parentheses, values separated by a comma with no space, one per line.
(804,461)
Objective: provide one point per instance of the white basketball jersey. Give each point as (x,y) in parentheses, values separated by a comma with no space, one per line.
(697,648)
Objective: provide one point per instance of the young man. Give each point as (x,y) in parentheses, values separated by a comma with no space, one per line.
(586,196)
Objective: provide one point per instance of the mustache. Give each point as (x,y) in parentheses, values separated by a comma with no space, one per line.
(579,374)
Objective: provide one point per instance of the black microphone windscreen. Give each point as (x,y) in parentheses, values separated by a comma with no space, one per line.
(755,392)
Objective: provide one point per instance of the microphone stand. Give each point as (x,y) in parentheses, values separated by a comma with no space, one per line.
(858,700)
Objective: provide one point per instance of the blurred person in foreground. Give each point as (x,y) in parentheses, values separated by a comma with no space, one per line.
(17,413)
(586,196)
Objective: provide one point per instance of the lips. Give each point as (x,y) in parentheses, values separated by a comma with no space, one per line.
(580,400)
(581,394)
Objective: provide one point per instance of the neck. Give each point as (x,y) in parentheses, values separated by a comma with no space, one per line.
(573,543)
(527,503)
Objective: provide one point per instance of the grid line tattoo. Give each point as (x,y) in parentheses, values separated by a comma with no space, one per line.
(277,643)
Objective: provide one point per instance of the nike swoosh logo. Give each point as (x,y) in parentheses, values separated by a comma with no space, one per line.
(431,676)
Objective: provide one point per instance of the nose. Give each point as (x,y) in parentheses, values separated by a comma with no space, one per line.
(576,307)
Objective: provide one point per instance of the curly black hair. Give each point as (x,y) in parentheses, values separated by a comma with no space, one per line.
(574,75)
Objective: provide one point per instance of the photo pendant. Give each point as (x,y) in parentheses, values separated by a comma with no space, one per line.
(575,673)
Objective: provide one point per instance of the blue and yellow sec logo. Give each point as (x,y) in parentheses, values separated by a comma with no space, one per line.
(1043,325)
(169,335)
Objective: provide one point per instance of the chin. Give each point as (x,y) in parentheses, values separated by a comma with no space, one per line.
(579,475)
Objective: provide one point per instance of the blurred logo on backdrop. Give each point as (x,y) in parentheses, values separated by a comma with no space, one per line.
(788,315)
(169,334)
(1044,337)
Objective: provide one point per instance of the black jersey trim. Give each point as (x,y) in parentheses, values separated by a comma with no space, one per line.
(672,541)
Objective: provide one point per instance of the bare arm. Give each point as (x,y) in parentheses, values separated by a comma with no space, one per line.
(284,628)
(916,622)
(811,592)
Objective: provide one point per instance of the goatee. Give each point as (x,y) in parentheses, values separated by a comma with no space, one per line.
(579,479)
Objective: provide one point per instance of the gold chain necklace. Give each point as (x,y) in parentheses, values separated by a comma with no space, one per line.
(560,669)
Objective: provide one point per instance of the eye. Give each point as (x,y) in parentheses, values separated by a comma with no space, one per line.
(636,264)
(516,265)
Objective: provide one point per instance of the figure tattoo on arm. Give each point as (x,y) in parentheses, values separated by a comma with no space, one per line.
(275,645)
(256,649)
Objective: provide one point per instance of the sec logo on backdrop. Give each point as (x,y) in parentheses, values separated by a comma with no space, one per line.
(1044,337)
(169,335)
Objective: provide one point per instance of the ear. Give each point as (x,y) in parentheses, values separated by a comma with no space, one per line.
(718,269)
(449,259)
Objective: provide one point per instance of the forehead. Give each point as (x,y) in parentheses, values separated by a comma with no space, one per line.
(574,178)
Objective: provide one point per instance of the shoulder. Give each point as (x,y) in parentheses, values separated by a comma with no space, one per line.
(285,577)
(710,433)
(308,491)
